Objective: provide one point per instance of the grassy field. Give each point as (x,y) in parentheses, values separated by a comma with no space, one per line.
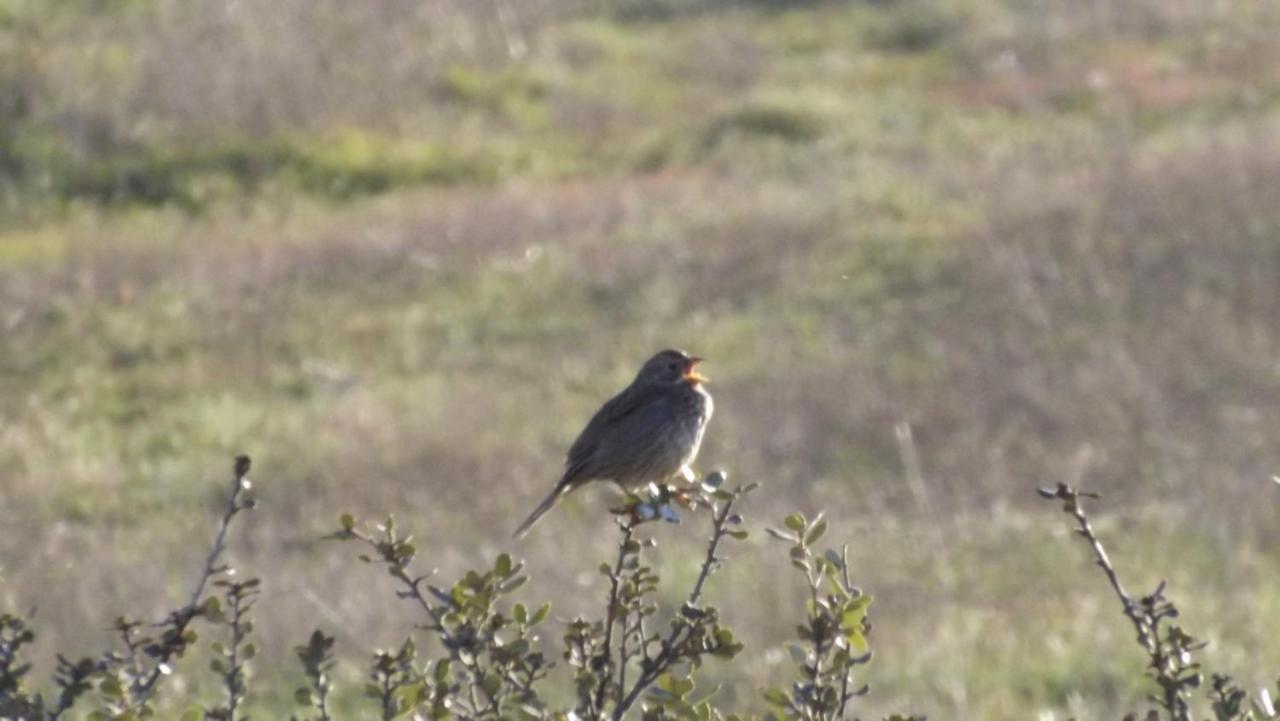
(398,253)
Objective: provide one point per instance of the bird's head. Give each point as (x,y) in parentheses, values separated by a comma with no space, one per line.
(671,367)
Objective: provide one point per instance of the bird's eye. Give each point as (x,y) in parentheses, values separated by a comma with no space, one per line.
(671,366)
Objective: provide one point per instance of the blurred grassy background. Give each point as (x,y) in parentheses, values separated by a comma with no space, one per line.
(399,251)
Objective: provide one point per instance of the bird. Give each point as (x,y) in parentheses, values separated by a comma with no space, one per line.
(649,432)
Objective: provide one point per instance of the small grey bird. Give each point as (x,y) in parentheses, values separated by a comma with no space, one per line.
(649,432)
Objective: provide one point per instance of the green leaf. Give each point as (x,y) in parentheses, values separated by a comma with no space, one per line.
(678,687)
(540,615)
(836,586)
(798,653)
(795,522)
(530,712)
(502,568)
(303,697)
(661,693)
(816,533)
(782,535)
(520,614)
(860,603)
(833,558)
(851,618)
(211,607)
(777,697)
(410,695)
(857,640)
(347,521)
(191,714)
(110,687)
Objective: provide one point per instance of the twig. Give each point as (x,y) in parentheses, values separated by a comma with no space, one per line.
(819,640)
(708,563)
(622,652)
(182,618)
(240,599)
(625,548)
(317,660)
(482,701)
(845,693)
(240,485)
(450,640)
(74,678)
(1071,499)
(655,667)
(1170,656)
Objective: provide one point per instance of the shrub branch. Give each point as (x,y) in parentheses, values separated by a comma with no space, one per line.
(1168,647)
(176,636)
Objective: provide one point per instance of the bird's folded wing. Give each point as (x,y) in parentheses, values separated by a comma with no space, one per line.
(610,416)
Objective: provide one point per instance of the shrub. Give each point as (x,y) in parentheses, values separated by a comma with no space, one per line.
(1169,647)
(790,123)
(635,657)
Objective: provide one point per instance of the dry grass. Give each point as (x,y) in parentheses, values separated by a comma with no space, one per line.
(1036,289)
(375,366)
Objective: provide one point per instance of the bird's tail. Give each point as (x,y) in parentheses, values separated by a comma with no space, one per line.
(547,504)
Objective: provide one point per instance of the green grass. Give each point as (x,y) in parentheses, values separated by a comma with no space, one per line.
(863,215)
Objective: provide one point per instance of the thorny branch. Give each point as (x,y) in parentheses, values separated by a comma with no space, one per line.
(693,619)
(174,640)
(625,548)
(463,618)
(1168,648)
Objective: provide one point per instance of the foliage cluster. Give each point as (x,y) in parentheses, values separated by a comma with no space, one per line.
(484,658)
(487,661)
(1170,649)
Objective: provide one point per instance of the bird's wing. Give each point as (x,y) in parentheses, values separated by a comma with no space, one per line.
(610,415)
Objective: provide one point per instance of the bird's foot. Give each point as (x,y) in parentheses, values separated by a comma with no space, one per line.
(658,500)
(650,503)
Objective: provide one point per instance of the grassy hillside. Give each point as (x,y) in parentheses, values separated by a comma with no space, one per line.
(399,255)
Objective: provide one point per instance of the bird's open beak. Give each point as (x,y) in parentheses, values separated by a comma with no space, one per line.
(691,373)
